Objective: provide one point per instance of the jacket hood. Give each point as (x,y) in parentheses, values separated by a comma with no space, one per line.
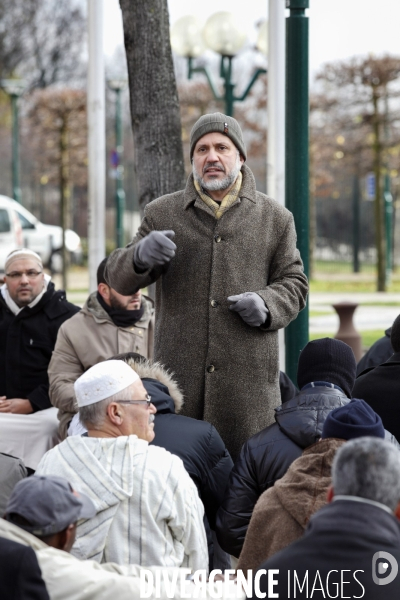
(302,490)
(167,386)
(303,417)
(93,307)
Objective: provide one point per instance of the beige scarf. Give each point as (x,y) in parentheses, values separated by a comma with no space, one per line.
(220,208)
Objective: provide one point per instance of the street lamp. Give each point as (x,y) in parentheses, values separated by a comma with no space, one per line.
(222,34)
(117,85)
(14,88)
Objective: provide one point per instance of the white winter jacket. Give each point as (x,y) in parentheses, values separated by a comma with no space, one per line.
(68,578)
(148,508)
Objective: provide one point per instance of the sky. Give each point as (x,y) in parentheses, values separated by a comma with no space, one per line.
(339,29)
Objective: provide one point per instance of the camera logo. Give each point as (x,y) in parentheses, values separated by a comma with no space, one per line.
(380,568)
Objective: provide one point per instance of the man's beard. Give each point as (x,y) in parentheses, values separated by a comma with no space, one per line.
(218,184)
(118,305)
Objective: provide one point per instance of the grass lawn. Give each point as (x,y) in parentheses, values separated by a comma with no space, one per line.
(367,337)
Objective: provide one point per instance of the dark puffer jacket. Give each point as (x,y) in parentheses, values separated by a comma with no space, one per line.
(197,443)
(379,353)
(267,456)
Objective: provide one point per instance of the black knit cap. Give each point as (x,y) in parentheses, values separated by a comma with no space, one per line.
(355,419)
(327,360)
(217,122)
(395,335)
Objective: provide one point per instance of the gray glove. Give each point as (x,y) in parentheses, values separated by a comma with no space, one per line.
(251,307)
(157,248)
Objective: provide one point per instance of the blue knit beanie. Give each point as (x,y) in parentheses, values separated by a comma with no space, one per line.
(355,419)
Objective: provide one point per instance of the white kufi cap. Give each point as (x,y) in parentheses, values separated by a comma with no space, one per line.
(103,380)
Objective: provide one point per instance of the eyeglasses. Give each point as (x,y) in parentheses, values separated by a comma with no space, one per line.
(31,274)
(147,401)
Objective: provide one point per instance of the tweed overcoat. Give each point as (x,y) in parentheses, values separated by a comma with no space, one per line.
(228,370)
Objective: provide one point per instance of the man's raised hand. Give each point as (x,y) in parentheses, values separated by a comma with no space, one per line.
(157,248)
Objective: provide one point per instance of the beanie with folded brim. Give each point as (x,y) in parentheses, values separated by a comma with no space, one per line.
(355,419)
(217,122)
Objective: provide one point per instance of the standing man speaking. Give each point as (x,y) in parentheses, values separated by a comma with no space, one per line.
(228,277)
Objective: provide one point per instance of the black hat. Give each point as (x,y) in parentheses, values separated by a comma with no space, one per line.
(355,419)
(327,360)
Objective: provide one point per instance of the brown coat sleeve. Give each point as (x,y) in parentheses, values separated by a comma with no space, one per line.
(120,272)
(286,292)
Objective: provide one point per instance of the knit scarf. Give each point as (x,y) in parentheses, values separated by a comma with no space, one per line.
(122,317)
(15,309)
(220,208)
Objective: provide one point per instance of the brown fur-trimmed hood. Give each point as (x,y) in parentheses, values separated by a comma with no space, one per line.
(157,371)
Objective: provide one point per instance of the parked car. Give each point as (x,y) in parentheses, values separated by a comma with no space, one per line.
(10,231)
(20,228)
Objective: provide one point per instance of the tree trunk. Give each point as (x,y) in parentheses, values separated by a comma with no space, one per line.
(379,223)
(156,122)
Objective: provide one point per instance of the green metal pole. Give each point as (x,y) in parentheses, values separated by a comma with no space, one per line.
(388,201)
(119,193)
(226,73)
(15,149)
(296,179)
(356,224)
(389,228)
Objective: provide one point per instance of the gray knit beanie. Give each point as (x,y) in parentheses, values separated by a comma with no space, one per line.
(222,124)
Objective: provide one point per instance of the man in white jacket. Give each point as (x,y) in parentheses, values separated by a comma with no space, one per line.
(148,511)
(42,514)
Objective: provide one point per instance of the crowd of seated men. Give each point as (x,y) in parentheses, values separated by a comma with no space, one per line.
(122,482)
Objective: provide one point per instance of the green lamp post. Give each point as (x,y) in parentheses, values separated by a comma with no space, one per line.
(221,34)
(297,160)
(117,86)
(14,88)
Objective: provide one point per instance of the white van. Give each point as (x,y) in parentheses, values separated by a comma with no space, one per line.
(29,232)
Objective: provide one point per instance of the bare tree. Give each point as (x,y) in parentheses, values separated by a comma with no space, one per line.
(41,40)
(58,124)
(154,101)
(352,102)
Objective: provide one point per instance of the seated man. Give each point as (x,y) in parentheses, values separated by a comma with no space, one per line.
(197,443)
(380,386)
(31,312)
(344,539)
(42,515)
(379,353)
(148,511)
(108,324)
(325,374)
(283,511)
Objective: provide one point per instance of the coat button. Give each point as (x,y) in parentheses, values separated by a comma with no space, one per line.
(217,238)
(214,303)
(211,369)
